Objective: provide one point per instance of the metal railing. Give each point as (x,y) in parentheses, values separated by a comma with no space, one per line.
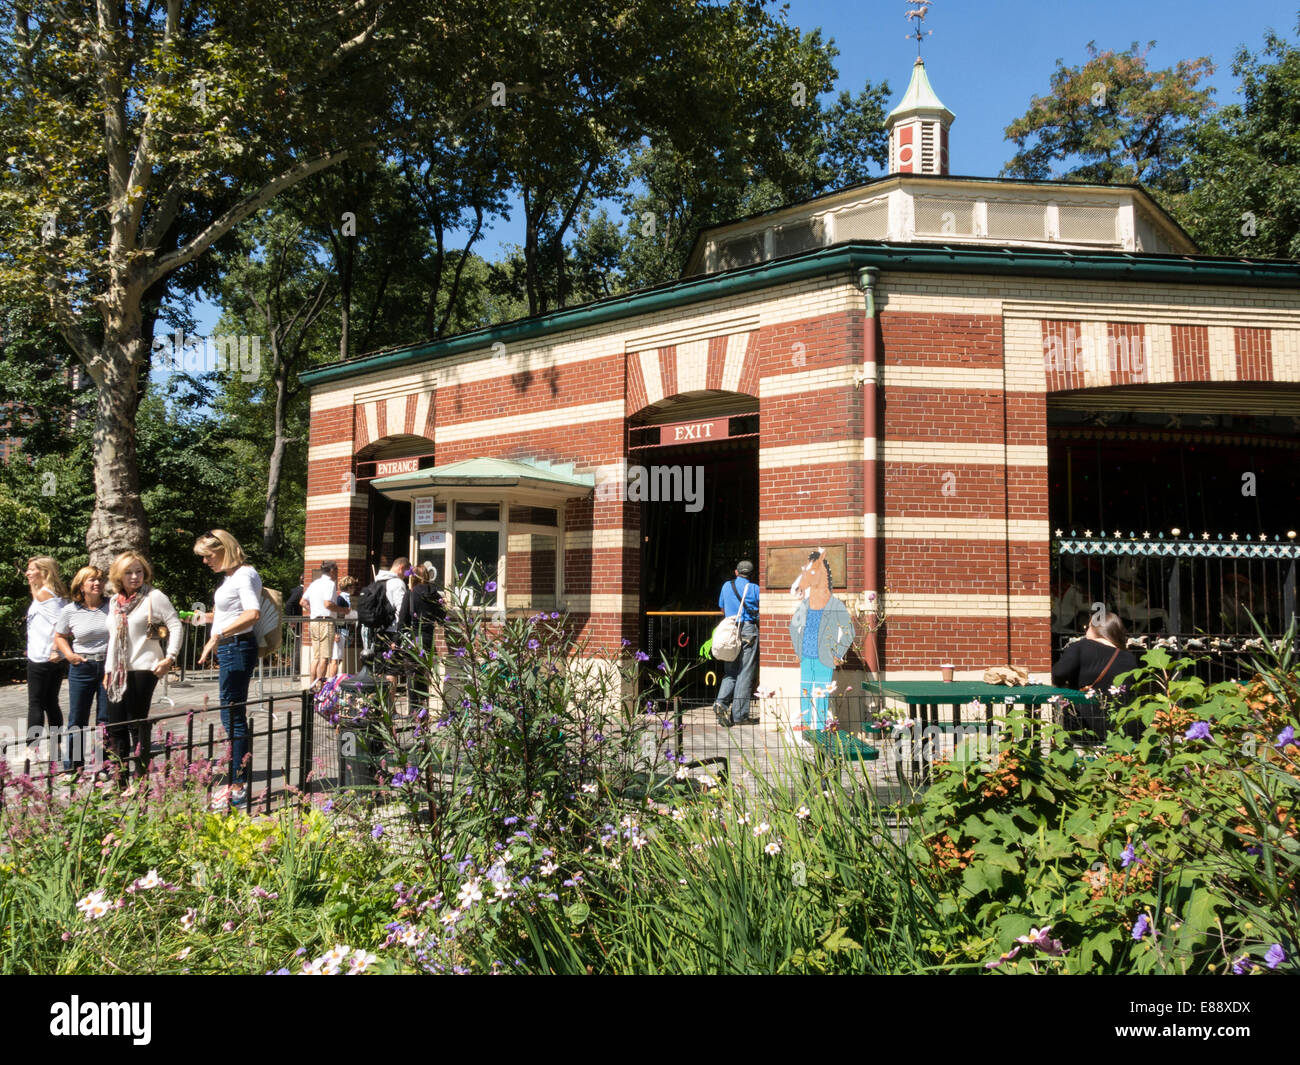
(282,736)
(1194,594)
(682,634)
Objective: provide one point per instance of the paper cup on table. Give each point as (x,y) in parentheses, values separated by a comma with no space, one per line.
(946,672)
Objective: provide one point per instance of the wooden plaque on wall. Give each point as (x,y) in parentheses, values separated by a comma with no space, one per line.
(784,564)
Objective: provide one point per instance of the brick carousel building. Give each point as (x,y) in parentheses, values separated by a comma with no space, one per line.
(980,396)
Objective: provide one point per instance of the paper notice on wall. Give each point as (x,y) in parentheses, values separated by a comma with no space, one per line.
(424,511)
(433,540)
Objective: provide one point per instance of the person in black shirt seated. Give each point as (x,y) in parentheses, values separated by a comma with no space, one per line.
(1094,662)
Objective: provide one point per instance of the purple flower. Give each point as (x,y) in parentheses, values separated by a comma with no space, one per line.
(1275,956)
(1039,938)
(328,805)
(1140,926)
(1242,965)
(460,652)
(377,831)
(491,586)
(510,820)
(555,615)
(1004,958)
(492,656)
(1199,731)
(627,643)
(533,645)
(1127,856)
(641,656)
(1287,735)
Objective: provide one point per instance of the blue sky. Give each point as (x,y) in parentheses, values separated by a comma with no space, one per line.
(987,59)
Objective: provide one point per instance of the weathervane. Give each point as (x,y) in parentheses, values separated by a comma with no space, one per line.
(918,12)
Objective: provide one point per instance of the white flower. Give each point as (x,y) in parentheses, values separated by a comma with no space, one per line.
(682,773)
(590,789)
(470,893)
(638,842)
(743,819)
(803,813)
(337,956)
(450,917)
(773,848)
(409,938)
(184,954)
(615,863)
(762,828)
(188,918)
(678,815)
(360,962)
(707,781)
(150,880)
(503,888)
(505,856)
(93,906)
(548,868)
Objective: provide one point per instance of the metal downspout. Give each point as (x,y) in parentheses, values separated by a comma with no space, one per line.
(868,276)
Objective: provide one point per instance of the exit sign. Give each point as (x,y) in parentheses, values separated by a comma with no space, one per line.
(693,432)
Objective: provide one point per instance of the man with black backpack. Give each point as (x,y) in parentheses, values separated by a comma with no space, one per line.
(378,606)
(739,596)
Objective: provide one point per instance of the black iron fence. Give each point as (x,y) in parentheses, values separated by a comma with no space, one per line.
(1193,595)
(683,634)
(282,761)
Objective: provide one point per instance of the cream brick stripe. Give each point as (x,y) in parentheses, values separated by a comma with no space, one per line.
(1286,354)
(601,539)
(651,375)
(942,377)
(733,364)
(789,384)
(940,453)
(682,335)
(820,454)
(777,602)
(331,552)
(965,529)
(341,501)
(601,603)
(916,604)
(1195,312)
(531,422)
(693,366)
(806,531)
(340,450)
(371,413)
(1223,353)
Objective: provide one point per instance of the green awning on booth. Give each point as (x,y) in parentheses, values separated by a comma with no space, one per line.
(494,476)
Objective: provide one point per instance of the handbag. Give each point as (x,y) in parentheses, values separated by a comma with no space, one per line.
(156,630)
(726,635)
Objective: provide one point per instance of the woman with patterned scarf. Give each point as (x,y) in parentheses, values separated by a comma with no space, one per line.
(144,638)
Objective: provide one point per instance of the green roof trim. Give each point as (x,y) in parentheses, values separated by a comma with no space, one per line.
(847,258)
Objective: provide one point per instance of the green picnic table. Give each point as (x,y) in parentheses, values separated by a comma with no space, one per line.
(925,698)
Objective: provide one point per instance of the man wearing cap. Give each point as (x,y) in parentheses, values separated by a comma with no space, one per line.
(320,597)
(732,703)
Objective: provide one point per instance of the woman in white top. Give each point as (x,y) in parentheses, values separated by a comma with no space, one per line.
(144,638)
(44,665)
(235,612)
(81,637)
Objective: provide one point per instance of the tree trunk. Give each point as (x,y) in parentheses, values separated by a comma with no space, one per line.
(270,520)
(118,522)
(345,296)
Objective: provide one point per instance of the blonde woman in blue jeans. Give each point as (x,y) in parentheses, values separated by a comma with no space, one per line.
(236,608)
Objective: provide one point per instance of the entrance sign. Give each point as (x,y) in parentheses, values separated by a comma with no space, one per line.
(433,540)
(785,563)
(391,466)
(424,509)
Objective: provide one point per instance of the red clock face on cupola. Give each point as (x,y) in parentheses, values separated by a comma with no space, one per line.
(905,153)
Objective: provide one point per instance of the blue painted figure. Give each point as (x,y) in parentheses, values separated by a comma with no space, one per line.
(821,631)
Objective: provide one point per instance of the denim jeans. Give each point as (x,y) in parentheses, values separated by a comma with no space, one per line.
(738,674)
(814,702)
(237,659)
(85,689)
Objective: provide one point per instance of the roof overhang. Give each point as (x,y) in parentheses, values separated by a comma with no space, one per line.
(488,479)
